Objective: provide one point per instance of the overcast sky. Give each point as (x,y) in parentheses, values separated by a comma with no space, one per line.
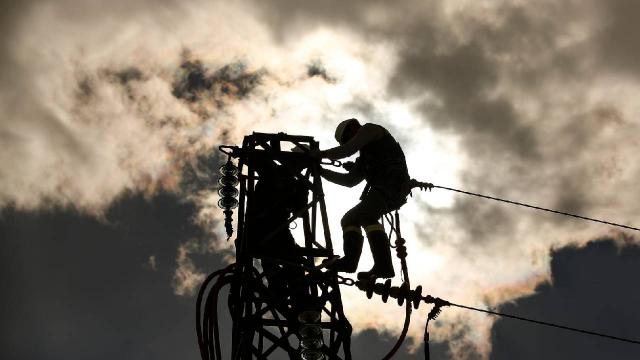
(112,112)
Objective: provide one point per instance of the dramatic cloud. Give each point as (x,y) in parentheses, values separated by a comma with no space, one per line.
(532,102)
(591,290)
(526,90)
(76,287)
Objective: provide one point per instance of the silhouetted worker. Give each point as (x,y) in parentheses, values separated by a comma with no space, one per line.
(382,164)
(276,195)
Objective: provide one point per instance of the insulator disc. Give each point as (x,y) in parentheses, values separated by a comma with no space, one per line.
(228,173)
(310,331)
(309,316)
(227,203)
(312,355)
(311,343)
(228,180)
(228,169)
(228,191)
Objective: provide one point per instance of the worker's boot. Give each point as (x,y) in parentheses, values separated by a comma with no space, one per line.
(381,251)
(352,247)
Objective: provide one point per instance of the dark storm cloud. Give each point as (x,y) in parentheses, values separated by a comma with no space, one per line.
(591,289)
(462,80)
(201,174)
(195,82)
(85,90)
(484,223)
(287,16)
(461,76)
(478,70)
(10,14)
(370,344)
(127,75)
(316,68)
(619,49)
(573,201)
(77,288)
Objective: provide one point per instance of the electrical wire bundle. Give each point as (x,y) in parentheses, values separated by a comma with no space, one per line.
(207,327)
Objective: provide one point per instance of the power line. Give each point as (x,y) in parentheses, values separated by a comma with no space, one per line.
(414,296)
(537,208)
(547,324)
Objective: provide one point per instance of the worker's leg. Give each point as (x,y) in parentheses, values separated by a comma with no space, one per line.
(375,205)
(352,223)
(352,247)
(367,211)
(381,252)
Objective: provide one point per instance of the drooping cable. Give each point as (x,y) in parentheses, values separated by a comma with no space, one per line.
(401,252)
(206,318)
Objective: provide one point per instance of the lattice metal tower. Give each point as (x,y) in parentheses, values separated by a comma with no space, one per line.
(278,300)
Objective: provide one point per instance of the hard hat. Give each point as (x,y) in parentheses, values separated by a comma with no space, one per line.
(342,127)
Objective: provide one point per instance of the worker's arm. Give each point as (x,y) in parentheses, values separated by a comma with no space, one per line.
(366,134)
(350,179)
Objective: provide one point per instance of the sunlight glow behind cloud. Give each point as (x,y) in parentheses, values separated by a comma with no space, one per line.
(494,97)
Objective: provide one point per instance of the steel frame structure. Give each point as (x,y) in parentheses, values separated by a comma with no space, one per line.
(263,320)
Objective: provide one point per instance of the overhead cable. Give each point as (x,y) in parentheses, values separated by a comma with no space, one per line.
(428,185)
